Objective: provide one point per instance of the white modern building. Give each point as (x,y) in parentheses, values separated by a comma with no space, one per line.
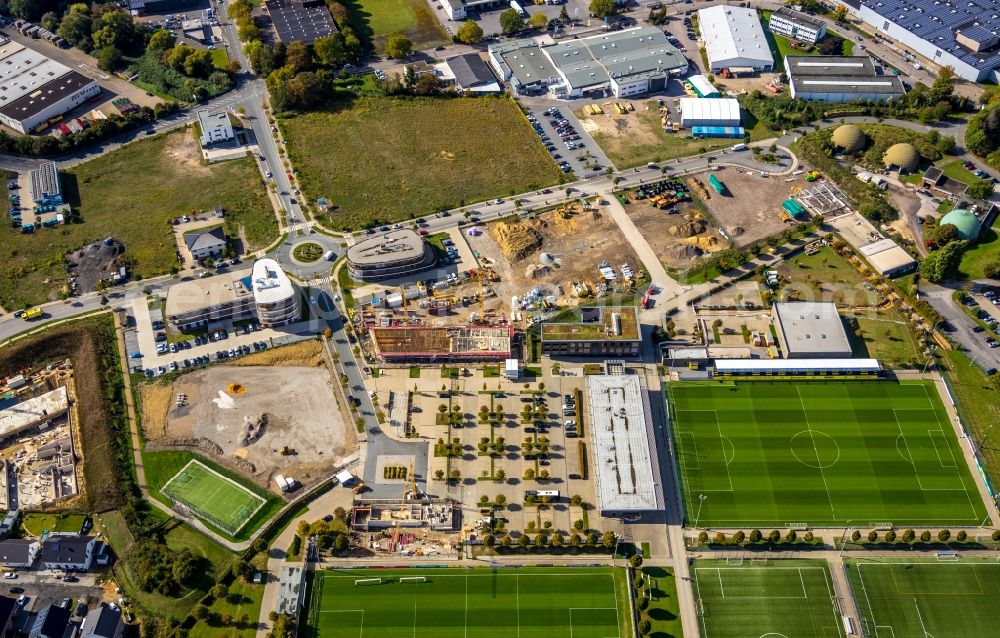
(810,330)
(624,63)
(35,89)
(274,295)
(835,78)
(734,40)
(796,26)
(709,112)
(962,34)
(215,127)
(622,431)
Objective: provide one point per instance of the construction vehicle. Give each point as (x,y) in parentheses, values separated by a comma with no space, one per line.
(287,451)
(360,487)
(32,313)
(773,89)
(812,176)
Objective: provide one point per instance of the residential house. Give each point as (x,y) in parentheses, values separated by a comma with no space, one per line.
(18,552)
(50,622)
(207,243)
(70,552)
(102,622)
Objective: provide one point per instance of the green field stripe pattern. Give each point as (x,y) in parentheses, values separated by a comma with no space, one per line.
(214,497)
(820,453)
(939,598)
(765,598)
(470,603)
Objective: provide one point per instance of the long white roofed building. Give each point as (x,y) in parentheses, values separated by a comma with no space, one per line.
(734,39)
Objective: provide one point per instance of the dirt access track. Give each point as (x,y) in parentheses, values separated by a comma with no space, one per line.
(578,245)
(750,209)
(297,405)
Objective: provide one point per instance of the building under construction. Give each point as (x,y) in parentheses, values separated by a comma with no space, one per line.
(434,344)
(372,516)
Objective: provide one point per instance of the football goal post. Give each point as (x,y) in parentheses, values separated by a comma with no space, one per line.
(412,579)
(367,581)
(734,562)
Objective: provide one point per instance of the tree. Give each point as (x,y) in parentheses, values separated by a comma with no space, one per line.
(961,536)
(996,536)
(558,539)
(774,536)
(161,40)
(635,560)
(398,46)
(541,540)
(576,500)
(719,538)
(342,542)
(506,540)
(108,58)
(49,21)
(575,540)
(791,536)
(980,189)
(831,46)
(890,536)
(529,474)
(523,541)
(538,21)
(500,500)
(116,29)
(942,265)
(603,8)
(944,535)
(840,12)
(945,234)
(489,540)
(219,591)
(511,22)
(298,56)
(563,15)
(578,524)
(703,538)
(909,535)
(645,626)
(75,28)
(469,33)
(439,474)
(330,50)
(872,536)
(991,269)
(200,612)
(925,536)
(609,539)
(739,537)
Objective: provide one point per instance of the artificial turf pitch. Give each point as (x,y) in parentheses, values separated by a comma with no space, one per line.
(571,602)
(819,453)
(214,497)
(938,598)
(790,598)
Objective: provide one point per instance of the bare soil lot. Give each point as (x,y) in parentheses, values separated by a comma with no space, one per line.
(679,237)
(751,208)
(216,404)
(577,245)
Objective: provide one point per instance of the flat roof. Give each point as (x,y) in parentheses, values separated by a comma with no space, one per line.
(714,108)
(883,84)
(811,327)
(33,411)
(270,283)
(621,430)
(526,61)
(395,245)
(733,33)
(597,323)
(796,365)
(937,22)
(45,95)
(442,341)
(837,65)
(186,296)
(634,54)
(885,255)
(798,18)
(300,20)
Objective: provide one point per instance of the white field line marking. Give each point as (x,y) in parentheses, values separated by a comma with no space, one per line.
(805,415)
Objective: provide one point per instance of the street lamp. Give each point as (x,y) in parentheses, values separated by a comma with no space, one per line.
(701,501)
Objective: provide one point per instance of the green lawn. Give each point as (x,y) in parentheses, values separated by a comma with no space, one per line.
(163,466)
(781,46)
(954,170)
(243,599)
(820,453)
(374,20)
(529,602)
(384,160)
(664,610)
(943,599)
(36,523)
(220,58)
(886,337)
(978,403)
(827,273)
(751,599)
(115,198)
(985,250)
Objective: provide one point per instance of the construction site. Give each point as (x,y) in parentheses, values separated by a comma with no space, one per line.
(260,421)
(38,454)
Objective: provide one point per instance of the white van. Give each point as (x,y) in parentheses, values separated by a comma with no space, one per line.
(329,255)
(739,147)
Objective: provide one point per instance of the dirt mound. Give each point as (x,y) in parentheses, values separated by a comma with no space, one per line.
(235,388)
(687,229)
(736,231)
(516,240)
(683,251)
(708,242)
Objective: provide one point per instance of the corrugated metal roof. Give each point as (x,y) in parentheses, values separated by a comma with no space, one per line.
(733,33)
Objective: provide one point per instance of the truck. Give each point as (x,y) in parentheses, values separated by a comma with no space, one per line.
(739,147)
(32,313)
(517,7)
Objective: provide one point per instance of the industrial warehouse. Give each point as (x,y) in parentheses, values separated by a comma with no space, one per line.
(962,35)
(396,253)
(625,63)
(441,344)
(734,40)
(810,330)
(35,89)
(834,78)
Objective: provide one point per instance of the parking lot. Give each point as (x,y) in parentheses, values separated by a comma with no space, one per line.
(567,142)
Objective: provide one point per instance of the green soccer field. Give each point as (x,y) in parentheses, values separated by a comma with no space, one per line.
(214,497)
(772,598)
(939,598)
(818,453)
(582,602)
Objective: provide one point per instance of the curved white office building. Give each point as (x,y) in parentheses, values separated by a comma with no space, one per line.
(273,294)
